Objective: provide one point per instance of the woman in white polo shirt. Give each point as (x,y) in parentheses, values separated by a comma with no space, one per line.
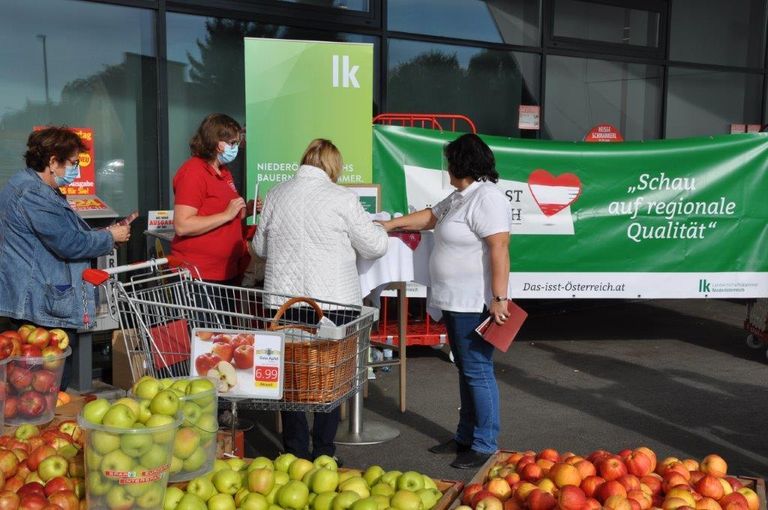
(469,273)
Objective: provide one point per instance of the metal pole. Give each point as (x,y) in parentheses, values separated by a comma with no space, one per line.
(42,37)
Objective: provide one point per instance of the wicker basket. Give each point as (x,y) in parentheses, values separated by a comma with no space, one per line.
(317,370)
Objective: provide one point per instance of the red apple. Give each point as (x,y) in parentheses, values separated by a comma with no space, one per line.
(630,482)
(20,377)
(31,351)
(753,500)
(52,355)
(590,484)
(469,492)
(25,330)
(39,337)
(617,503)
(564,474)
(571,498)
(13,483)
(205,362)
(549,454)
(223,350)
(32,488)
(638,463)
(44,381)
(221,338)
(608,489)
(242,339)
(499,487)
(244,357)
(33,502)
(9,500)
(38,455)
(31,404)
(714,465)
(710,487)
(65,499)
(735,482)
(481,494)
(585,467)
(653,482)
(541,500)
(489,503)
(611,468)
(8,463)
(6,346)
(11,407)
(59,338)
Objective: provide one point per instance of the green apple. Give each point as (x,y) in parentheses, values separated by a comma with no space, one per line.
(138,489)
(153,497)
(52,466)
(309,475)
(272,496)
(298,468)
(186,442)
(323,500)
(104,442)
(390,478)
(281,478)
(180,385)
(327,462)
(261,463)
(97,484)
(406,500)
(254,501)
(325,480)
(25,431)
(236,463)
(116,461)
(349,473)
(93,458)
(382,489)
(161,420)
(191,412)
(356,484)
(166,402)
(372,475)
(344,500)
(172,497)
(167,382)
(118,498)
(195,461)
(293,496)
(95,410)
(220,464)
(202,390)
(260,480)
(130,403)
(154,458)
(227,481)
(410,480)
(207,425)
(68,451)
(136,445)
(144,412)
(119,416)
(191,502)
(365,504)
(381,501)
(221,502)
(177,465)
(274,507)
(283,462)
(147,389)
(429,483)
(429,497)
(202,488)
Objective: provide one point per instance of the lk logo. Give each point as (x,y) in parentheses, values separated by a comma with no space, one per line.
(704,286)
(346,74)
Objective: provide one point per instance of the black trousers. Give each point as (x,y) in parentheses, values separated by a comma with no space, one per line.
(296,432)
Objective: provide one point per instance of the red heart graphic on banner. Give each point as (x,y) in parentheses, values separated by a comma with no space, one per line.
(553,194)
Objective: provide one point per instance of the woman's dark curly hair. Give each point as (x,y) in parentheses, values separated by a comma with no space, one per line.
(57,142)
(215,128)
(469,156)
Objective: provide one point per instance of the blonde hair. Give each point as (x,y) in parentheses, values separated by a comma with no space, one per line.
(324,155)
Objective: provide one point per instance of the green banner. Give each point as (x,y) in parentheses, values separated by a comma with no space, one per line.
(668,218)
(296,91)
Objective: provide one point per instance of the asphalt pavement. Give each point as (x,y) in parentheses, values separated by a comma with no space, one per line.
(673,375)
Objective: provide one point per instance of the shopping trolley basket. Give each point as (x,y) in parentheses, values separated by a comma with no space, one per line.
(161,303)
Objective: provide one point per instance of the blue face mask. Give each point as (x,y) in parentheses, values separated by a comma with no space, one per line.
(229,154)
(70,174)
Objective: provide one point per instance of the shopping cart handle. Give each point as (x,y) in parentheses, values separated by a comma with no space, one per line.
(99,276)
(95,276)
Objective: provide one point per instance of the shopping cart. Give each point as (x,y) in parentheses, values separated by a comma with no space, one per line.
(756,324)
(161,302)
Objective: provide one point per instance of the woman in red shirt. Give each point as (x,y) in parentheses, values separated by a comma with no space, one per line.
(208,210)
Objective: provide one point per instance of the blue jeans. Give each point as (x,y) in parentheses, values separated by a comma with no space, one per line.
(479,417)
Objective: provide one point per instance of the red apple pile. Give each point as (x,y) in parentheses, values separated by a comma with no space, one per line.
(42,469)
(629,480)
(32,375)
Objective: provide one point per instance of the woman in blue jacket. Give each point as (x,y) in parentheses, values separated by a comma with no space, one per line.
(44,244)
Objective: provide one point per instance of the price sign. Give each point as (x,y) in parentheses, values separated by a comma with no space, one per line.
(255,369)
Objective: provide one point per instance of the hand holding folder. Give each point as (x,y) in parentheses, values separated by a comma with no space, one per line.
(502,336)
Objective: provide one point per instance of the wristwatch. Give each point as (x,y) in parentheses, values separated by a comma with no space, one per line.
(499,299)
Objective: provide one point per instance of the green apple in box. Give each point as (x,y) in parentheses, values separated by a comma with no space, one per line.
(166,402)
(103,442)
(201,487)
(172,498)
(95,410)
(146,388)
(195,461)
(119,416)
(191,502)
(186,442)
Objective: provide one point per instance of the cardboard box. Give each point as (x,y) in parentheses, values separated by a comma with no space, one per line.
(121,361)
(224,446)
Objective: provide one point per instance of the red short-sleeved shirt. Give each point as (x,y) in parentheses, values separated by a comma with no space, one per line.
(217,253)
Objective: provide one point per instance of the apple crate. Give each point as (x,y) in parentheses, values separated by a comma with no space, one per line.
(451,490)
(481,476)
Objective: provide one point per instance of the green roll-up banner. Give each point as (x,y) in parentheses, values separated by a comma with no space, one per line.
(661,219)
(296,91)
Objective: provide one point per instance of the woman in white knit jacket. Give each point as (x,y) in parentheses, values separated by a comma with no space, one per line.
(311,232)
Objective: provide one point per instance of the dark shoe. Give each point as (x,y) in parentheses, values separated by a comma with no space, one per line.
(470,459)
(450,446)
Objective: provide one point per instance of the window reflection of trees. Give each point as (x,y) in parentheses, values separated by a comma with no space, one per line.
(489,90)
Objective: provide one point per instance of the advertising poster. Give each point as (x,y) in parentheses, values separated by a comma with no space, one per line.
(246,364)
(658,219)
(296,91)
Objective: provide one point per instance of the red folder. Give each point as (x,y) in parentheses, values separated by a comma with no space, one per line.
(502,336)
